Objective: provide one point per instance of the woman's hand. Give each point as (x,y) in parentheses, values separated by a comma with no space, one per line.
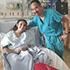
(7,50)
(17,51)
(24,49)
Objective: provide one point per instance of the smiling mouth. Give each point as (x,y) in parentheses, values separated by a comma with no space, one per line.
(36,13)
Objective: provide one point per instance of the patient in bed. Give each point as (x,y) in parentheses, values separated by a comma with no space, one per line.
(20,49)
(13,42)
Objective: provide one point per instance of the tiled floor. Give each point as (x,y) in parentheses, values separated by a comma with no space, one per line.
(67,56)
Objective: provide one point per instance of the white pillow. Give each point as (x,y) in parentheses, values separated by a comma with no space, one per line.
(1,35)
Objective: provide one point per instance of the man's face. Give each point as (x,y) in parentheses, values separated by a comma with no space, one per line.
(36,9)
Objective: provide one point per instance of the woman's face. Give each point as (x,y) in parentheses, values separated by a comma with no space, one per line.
(21,26)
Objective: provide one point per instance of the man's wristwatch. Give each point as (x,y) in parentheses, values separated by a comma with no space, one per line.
(67,33)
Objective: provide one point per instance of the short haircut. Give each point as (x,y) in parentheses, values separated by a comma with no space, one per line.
(37,1)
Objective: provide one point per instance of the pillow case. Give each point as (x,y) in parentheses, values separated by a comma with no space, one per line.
(1,35)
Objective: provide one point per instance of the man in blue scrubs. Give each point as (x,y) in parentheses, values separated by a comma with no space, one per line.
(49,24)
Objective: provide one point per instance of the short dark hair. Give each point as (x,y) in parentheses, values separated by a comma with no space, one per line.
(15,27)
(37,1)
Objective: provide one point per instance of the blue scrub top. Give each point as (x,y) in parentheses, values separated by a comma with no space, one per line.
(51,26)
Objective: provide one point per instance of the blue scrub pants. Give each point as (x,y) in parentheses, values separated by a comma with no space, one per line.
(53,43)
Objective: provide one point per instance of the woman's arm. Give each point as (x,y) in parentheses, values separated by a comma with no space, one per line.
(7,50)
